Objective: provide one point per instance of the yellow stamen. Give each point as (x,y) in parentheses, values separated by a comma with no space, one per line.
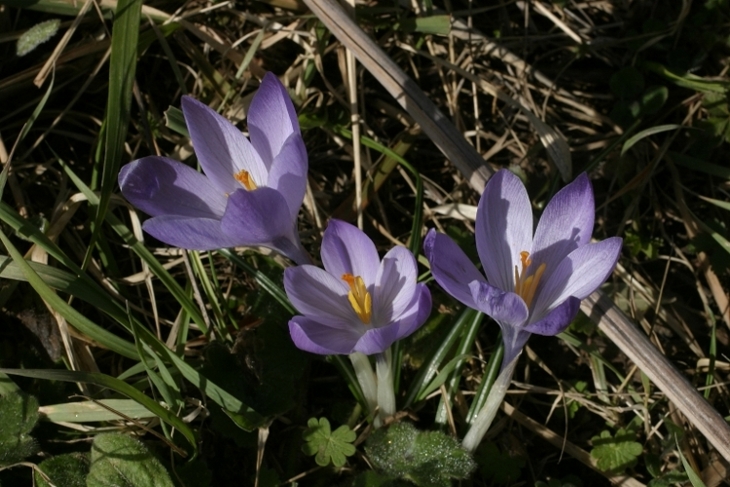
(526,285)
(244,177)
(359,297)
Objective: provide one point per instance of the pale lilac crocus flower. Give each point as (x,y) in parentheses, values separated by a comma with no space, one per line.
(251,192)
(534,283)
(357,305)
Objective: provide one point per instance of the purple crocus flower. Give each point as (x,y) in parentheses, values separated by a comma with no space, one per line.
(251,192)
(533,284)
(358,303)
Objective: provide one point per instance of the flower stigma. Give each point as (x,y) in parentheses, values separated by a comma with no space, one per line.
(359,297)
(244,177)
(526,285)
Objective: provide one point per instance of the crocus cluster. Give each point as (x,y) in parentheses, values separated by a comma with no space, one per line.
(360,304)
(251,192)
(531,283)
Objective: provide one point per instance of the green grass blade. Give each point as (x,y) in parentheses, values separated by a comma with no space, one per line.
(114,384)
(122,66)
(80,322)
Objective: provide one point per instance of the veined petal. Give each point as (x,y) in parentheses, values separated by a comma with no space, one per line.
(161,186)
(257,217)
(503,228)
(189,233)
(566,223)
(222,150)
(271,118)
(395,285)
(320,296)
(377,340)
(451,268)
(579,274)
(556,320)
(416,314)
(314,337)
(507,308)
(347,250)
(289,173)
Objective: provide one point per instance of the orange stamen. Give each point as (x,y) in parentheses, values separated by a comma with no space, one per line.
(359,297)
(526,285)
(244,177)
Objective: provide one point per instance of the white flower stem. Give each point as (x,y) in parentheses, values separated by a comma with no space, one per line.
(484,419)
(386,394)
(366,378)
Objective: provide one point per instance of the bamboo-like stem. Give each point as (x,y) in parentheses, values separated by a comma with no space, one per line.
(450,141)
(368,383)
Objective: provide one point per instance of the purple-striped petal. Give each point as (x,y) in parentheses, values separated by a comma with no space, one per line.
(506,308)
(395,285)
(347,250)
(271,118)
(376,340)
(556,320)
(451,268)
(161,186)
(314,337)
(566,223)
(320,296)
(222,150)
(289,173)
(189,233)
(503,228)
(416,314)
(579,274)
(257,217)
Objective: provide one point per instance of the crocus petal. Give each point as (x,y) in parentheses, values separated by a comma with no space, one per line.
(314,337)
(289,173)
(189,233)
(376,340)
(503,228)
(222,150)
(347,250)
(579,274)
(416,314)
(271,118)
(556,320)
(161,186)
(395,285)
(451,268)
(506,308)
(320,296)
(566,223)
(257,217)
(514,340)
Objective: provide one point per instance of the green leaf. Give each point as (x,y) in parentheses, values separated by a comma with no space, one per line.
(646,133)
(327,446)
(19,413)
(616,454)
(435,24)
(654,99)
(426,458)
(69,470)
(92,411)
(122,461)
(694,479)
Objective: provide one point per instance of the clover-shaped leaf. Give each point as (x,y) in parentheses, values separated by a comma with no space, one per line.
(616,454)
(328,446)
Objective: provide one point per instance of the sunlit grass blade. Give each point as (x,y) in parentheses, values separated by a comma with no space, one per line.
(92,411)
(117,385)
(490,375)
(79,321)
(122,67)
(155,267)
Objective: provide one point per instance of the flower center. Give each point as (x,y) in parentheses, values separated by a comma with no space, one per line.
(359,297)
(244,177)
(526,285)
